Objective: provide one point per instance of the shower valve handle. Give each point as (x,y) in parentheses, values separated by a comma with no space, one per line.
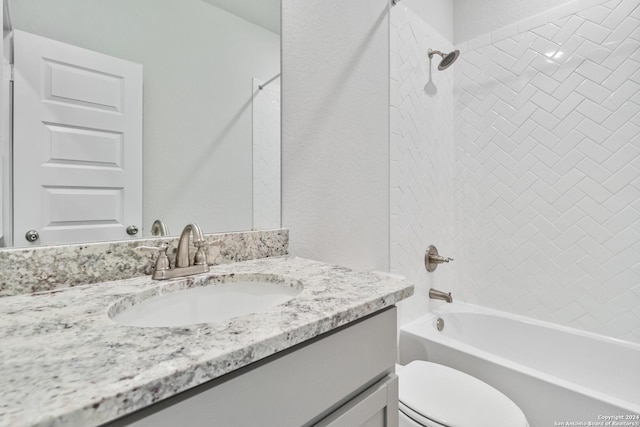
(439,259)
(432,259)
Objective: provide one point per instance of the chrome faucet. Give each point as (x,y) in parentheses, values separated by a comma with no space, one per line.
(182,254)
(436,294)
(183,265)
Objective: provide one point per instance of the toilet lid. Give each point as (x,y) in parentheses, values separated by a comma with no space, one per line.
(455,399)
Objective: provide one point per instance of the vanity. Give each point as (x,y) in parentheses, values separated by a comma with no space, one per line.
(325,357)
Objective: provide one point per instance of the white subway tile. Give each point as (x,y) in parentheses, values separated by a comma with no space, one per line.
(594,150)
(545,101)
(621,33)
(562,11)
(568,30)
(626,92)
(595,92)
(593,111)
(503,33)
(593,32)
(479,42)
(567,106)
(569,85)
(620,13)
(625,133)
(593,71)
(622,74)
(621,179)
(547,31)
(586,4)
(532,22)
(621,116)
(595,14)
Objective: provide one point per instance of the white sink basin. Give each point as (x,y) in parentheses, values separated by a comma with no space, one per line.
(205,301)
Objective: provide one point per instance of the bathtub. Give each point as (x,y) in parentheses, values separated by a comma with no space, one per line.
(556,375)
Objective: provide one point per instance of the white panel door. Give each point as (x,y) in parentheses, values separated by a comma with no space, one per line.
(77,143)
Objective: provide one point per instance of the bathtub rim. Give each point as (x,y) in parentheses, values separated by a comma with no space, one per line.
(417,328)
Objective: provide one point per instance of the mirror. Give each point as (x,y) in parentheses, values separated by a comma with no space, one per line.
(210,93)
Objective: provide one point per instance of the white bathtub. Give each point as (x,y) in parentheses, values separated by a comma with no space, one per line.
(554,373)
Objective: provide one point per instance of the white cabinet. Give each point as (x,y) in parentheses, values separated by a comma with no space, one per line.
(340,379)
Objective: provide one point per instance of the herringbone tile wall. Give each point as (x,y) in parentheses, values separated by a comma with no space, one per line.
(421,158)
(547,133)
(543,210)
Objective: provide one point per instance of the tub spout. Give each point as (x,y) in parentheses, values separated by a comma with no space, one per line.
(436,294)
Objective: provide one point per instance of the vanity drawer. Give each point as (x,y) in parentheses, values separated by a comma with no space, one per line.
(375,407)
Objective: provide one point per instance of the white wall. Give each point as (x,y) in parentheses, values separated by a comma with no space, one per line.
(474,18)
(438,14)
(335,133)
(199,62)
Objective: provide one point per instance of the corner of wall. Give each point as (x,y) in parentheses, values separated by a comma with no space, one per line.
(335,131)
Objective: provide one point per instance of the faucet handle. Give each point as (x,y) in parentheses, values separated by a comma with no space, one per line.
(432,259)
(162,263)
(200,257)
(439,259)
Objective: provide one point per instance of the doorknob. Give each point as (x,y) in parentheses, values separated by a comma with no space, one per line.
(32,236)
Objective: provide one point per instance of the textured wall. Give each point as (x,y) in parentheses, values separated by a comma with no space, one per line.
(335,130)
(438,14)
(421,156)
(547,187)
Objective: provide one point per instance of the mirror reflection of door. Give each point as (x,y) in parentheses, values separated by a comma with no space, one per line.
(199,59)
(77,143)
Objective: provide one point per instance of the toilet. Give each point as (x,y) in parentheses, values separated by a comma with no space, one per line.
(433,395)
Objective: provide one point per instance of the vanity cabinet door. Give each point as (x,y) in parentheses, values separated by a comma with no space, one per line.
(375,407)
(347,373)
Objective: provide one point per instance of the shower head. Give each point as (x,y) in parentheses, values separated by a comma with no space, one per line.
(447,58)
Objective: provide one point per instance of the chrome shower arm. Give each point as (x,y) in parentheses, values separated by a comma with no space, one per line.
(434,52)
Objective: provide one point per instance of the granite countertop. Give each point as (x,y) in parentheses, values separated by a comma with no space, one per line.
(64,362)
